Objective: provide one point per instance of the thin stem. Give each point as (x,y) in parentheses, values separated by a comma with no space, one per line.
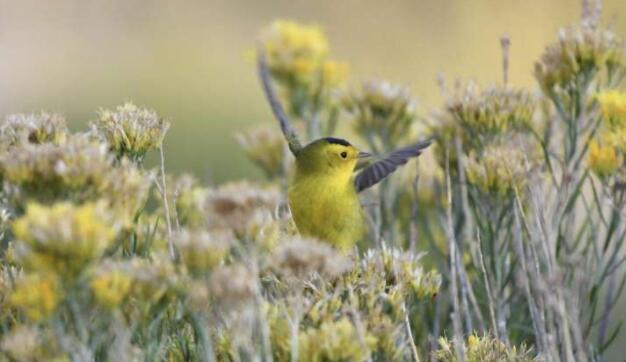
(456,318)
(166,206)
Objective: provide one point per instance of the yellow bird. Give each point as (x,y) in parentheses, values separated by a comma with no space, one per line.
(323,195)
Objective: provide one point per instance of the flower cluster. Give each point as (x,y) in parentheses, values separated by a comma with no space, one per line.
(63,238)
(483,349)
(111,283)
(232,285)
(295,53)
(37,295)
(300,258)
(131,131)
(189,198)
(335,340)
(96,266)
(202,251)
(607,150)
(382,110)
(480,115)
(403,270)
(80,170)
(604,160)
(499,171)
(18,129)
(265,147)
(297,58)
(352,315)
(29,343)
(580,53)
(613,107)
(233,205)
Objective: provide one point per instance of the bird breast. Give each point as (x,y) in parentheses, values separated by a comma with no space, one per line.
(327,210)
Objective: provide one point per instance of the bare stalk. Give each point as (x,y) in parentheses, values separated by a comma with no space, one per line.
(456,311)
(505,42)
(166,206)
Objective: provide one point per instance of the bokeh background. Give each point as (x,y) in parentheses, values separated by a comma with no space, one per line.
(190,60)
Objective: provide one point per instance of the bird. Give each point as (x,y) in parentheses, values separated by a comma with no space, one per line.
(323,195)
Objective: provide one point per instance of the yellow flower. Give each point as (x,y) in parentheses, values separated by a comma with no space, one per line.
(499,171)
(62,238)
(579,52)
(472,341)
(110,285)
(294,51)
(485,348)
(334,73)
(36,295)
(335,341)
(603,160)
(613,107)
(201,251)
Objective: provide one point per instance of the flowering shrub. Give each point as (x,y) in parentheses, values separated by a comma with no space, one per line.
(520,209)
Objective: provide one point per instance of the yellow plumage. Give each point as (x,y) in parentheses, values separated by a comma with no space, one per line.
(322,196)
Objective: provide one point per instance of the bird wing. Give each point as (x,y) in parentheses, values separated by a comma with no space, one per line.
(377,171)
(290,135)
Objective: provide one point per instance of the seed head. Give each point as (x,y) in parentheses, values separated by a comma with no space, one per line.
(152,279)
(266,148)
(580,53)
(232,205)
(302,258)
(79,170)
(131,131)
(479,115)
(402,269)
(22,343)
(202,251)
(232,285)
(485,348)
(382,109)
(498,171)
(336,341)
(18,129)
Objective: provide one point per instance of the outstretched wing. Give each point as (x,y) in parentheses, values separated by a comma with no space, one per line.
(377,171)
(290,135)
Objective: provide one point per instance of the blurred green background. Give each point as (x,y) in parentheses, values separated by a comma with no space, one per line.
(188,59)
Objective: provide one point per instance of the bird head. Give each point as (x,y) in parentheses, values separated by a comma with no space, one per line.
(329,156)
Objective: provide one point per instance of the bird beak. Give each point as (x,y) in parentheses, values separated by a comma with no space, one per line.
(364,155)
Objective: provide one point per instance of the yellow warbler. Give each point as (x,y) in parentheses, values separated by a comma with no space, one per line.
(323,196)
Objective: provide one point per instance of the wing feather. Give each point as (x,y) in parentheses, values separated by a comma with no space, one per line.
(377,171)
(285,125)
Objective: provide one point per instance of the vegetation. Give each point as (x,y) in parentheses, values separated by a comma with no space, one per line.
(505,246)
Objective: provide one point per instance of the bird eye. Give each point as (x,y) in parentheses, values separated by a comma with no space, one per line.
(344,154)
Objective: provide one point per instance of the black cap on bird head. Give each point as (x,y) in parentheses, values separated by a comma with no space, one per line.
(337,141)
